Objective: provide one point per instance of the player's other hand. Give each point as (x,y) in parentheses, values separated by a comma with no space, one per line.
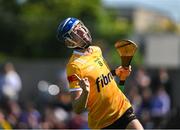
(84,83)
(123,72)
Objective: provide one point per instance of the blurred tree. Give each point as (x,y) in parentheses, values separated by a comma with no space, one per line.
(9,24)
(28,27)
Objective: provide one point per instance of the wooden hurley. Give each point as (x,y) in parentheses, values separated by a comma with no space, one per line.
(126,50)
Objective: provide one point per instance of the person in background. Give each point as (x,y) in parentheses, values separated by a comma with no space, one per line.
(12,82)
(4,124)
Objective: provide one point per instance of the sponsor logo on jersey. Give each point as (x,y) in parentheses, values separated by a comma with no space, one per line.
(72,78)
(103,80)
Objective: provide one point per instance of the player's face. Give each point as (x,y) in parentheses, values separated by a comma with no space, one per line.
(79,36)
(81,31)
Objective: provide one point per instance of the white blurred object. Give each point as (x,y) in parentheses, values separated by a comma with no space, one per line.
(53,89)
(43,86)
(61,114)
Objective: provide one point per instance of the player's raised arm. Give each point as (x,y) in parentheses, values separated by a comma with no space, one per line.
(80,98)
(83,83)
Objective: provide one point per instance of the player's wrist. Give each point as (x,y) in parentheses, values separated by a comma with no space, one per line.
(122,82)
(113,72)
(86,91)
(123,77)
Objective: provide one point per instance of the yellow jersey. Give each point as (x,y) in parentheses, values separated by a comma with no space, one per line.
(106,102)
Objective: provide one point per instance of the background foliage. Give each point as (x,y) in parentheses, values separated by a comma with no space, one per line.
(28,27)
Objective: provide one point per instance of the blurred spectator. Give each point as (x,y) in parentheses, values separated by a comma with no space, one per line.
(142,78)
(146,99)
(135,98)
(145,108)
(61,118)
(160,106)
(79,121)
(13,113)
(30,117)
(163,78)
(55,118)
(4,124)
(12,82)
(146,119)
(148,95)
(65,101)
(48,118)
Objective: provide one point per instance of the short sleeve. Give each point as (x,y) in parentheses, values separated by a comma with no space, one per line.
(98,50)
(71,70)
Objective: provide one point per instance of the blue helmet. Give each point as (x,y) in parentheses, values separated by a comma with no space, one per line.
(74,33)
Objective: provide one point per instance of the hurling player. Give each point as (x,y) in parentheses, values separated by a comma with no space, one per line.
(91,82)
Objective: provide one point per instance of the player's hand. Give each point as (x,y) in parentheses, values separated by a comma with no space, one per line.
(123,72)
(83,83)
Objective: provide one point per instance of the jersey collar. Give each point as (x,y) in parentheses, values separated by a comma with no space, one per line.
(78,53)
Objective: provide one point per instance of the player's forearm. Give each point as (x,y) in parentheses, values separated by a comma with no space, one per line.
(79,105)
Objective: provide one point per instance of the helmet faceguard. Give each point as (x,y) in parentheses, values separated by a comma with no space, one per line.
(77,36)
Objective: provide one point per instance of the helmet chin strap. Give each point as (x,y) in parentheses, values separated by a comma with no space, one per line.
(84,47)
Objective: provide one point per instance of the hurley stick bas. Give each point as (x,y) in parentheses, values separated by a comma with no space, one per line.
(126,49)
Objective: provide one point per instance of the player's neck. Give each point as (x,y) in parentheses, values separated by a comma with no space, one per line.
(85,51)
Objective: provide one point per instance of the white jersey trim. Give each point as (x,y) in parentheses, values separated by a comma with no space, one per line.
(79,53)
(75,89)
